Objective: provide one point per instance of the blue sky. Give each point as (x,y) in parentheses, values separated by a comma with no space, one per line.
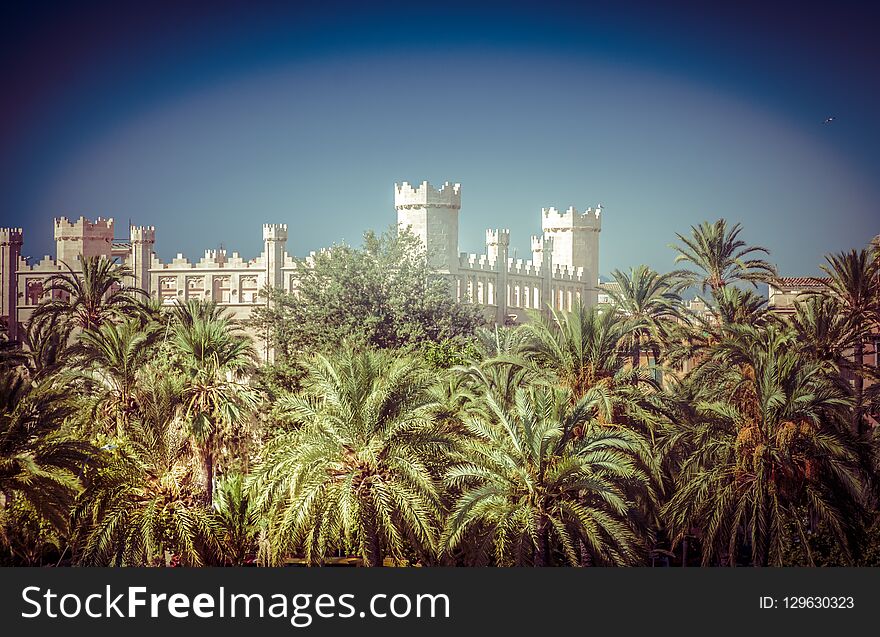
(207,125)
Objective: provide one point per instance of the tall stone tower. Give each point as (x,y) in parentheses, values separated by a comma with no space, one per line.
(575,238)
(497,249)
(11,240)
(143,238)
(432,215)
(82,238)
(542,256)
(275,238)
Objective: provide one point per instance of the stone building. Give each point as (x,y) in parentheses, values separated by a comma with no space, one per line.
(563,268)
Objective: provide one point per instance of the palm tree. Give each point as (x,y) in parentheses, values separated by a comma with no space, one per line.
(357,474)
(40,463)
(855,284)
(214,356)
(582,351)
(651,301)
(580,348)
(237,520)
(143,509)
(823,331)
(731,307)
(529,489)
(765,456)
(722,256)
(112,357)
(43,351)
(88,299)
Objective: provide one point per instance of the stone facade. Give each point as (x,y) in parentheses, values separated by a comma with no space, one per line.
(563,268)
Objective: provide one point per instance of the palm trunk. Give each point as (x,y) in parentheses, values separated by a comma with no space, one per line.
(374,545)
(208,474)
(858,385)
(586,558)
(541,547)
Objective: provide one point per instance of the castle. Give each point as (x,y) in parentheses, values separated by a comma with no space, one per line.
(563,268)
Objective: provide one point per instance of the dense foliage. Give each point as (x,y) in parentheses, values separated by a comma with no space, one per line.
(381,295)
(393,427)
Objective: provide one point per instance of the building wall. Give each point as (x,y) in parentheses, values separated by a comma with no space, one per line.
(563,269)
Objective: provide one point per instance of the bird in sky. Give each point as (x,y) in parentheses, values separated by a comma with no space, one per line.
(828,120)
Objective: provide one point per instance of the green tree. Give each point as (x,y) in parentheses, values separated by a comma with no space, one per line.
(357,474)
(823,331)
(529,489)
(382,295)
(111,358)
(580,348)
(584,352)
(766,456)
(722,256)
(40,462)
(854,283)
(214,357)
(237,520)
(142,508)
(651,301)
(88,299)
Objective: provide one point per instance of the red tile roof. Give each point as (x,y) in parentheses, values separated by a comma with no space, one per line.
(801,282)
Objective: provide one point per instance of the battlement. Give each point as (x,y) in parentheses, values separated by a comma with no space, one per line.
(274,232)
(213,260)
(523,268)
(498,237)
(568,273)
(217,257)
(552,218)
(45,264)
(426,196)
(478,262)
(11,236)
(83,238)
(542,243)
(143,234)
(82,227)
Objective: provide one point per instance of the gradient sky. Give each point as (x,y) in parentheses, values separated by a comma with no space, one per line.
(208,124)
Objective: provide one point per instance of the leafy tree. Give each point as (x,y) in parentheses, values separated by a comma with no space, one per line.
(823,331)
(357,475)
(580,348)
(382,295)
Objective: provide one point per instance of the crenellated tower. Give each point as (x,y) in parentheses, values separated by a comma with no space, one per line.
(432,215)
(143,238)
(575,237)
(542,257)
(275,239)
(11,240)
(497,249)
(82,238)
